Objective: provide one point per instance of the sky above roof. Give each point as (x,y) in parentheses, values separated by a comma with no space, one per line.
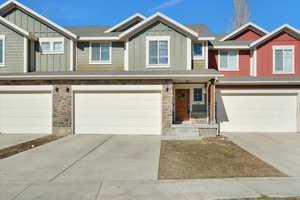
(216,14)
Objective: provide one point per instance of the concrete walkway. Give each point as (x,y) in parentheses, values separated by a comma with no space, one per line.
(7,140)
(211,189)
(281,150)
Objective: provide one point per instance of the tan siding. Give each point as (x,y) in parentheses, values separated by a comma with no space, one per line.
(14,51)
(198,64)
(137,47)
(44,63)
(83,57)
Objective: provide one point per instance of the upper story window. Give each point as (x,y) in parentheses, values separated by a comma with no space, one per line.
(283,59)
(100,53)
(228,60)
(52,45)
(198,50)
(2,50)
(158,51)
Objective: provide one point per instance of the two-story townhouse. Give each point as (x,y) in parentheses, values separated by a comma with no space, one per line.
(141,76)
(144,75)
(260,90)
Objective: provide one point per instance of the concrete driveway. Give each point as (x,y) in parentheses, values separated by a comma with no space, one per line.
(7,140)
(281,150)
(86,158)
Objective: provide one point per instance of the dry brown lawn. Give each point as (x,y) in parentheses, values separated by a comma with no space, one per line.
(210,158)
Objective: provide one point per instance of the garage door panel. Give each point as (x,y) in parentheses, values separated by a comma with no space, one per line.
(259,113)
(118,113)
(29,113)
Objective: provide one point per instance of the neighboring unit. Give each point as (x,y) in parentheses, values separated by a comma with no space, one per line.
(145,75)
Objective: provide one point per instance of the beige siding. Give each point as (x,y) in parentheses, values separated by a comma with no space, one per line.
(44,63)
(14,50)
(198,64)
(83,57)
(178,47)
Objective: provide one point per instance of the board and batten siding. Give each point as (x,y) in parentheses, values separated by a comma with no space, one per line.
(137,47)
(83,56)
(43,62)
(14,51)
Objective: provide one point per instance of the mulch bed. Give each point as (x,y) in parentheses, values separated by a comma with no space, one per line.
(214,157)
(9,151)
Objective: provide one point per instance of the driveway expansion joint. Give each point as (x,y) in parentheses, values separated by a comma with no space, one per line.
(81,158)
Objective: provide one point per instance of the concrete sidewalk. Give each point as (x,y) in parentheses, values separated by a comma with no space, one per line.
(210,189)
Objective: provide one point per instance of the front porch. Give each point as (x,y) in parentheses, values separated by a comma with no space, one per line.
(194,108)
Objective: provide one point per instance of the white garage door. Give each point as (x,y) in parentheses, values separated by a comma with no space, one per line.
(258,113)
(25,112)
(118,113)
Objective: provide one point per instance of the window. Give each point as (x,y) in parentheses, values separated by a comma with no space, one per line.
(283,59)
(158,51)
(228,60)
(52,45)
(198,96)
(198,50)
(2,50)
(100,53)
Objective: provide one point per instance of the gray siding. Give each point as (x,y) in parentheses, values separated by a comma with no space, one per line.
(14,50)
(83,57)
(178,47)
(44,63)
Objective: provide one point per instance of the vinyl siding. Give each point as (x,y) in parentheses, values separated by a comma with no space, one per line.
(83,57)
(198,64)
(43,63)
(14,51)
(244,63)
(247,35)
(265,54)
(137,47)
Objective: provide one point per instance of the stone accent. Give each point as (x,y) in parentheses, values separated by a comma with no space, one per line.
(62,110)
(62,100)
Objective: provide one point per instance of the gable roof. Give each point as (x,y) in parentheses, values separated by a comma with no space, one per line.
(14,3)
(258,29)
(159,16)
(126,21)
(274,33)
(16,28)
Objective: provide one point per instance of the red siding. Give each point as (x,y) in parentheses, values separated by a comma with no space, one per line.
(244,63)
(265,55)
(247,35)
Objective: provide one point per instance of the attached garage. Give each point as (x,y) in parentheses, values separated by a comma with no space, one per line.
(257,110)
(25,110)
(131,109)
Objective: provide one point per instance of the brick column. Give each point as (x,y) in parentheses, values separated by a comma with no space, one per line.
(212,105)
(62,110)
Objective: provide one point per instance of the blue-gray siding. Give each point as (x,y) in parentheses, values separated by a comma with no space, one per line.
(14,50)
(45,63)
(178,47)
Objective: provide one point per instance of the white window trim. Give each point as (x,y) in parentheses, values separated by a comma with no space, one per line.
(192,96)
(2,37)
(107,62)
(199,57)
(284,47)
(151,38)
(229,69)
(51,41)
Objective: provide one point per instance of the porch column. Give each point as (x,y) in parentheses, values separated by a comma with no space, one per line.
(212,103)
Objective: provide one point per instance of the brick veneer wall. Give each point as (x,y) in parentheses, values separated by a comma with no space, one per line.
(62,121)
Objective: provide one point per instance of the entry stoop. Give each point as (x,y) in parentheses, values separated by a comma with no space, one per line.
(191,131)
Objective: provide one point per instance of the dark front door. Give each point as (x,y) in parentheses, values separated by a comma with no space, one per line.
(182,103)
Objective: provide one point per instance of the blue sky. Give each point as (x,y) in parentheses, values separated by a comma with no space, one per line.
(215,13)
